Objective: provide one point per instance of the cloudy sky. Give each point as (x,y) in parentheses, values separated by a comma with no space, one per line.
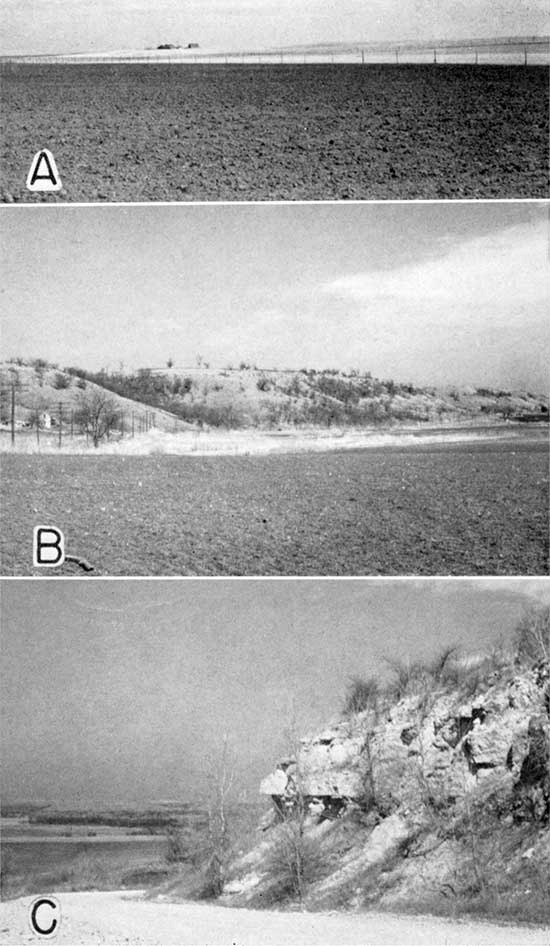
(61,26)
(113,691)
(442,293)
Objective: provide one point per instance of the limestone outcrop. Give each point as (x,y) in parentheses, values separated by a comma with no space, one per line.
(434,797)
(435,745)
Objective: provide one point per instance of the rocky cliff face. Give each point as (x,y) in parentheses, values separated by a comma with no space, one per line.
(430,745)
(439,793)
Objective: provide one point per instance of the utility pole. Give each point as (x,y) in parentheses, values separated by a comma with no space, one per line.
(12,413)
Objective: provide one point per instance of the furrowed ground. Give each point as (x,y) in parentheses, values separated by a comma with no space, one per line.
(464,509)
(210,132)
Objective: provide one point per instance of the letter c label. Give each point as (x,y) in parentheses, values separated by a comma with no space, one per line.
(45,916)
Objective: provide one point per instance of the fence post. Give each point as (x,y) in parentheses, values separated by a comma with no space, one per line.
(363,56)
(60,423)
(525,55)
(12,413)
(37,419)
(435,55)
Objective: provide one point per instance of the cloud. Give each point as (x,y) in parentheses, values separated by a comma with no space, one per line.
(475,312)
(498,271)
(538,589)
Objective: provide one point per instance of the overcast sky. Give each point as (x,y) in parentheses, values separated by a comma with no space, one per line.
(113,691)
(430,293)
(59,26)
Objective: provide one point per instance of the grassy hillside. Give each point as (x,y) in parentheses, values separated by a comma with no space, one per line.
(43,390)
(247,397)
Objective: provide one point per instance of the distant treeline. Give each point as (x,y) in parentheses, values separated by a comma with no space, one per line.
(247,396)
(150,819)
(310,397)
(307,397)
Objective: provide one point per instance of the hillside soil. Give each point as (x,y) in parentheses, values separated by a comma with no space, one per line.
(464,509)
(215,132)
(122,917)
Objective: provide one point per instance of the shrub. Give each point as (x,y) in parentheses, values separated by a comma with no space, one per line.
(61,381)
(408,676)
(295,860)
(439,664)
(362,694)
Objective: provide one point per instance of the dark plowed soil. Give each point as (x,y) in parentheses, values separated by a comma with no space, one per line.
(212,132)
(458,510)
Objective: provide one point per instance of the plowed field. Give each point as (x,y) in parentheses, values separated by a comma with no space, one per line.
(465,509)
(211,132)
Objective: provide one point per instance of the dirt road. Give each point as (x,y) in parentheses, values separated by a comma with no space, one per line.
(123,917)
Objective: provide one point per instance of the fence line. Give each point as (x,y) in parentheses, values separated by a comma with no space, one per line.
(475,53)
(63,422)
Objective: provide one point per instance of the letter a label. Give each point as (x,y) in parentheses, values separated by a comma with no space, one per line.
(43,174)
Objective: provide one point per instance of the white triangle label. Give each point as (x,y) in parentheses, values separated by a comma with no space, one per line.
(43,174)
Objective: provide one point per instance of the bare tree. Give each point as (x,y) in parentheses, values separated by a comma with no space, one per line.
(219,779)
(533,635)
(97,414)
(295,860)
(36,413)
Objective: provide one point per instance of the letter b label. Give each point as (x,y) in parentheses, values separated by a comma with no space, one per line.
(48,547)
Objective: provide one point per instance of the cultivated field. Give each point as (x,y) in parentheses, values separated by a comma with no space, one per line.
(209,132)
(462,509)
